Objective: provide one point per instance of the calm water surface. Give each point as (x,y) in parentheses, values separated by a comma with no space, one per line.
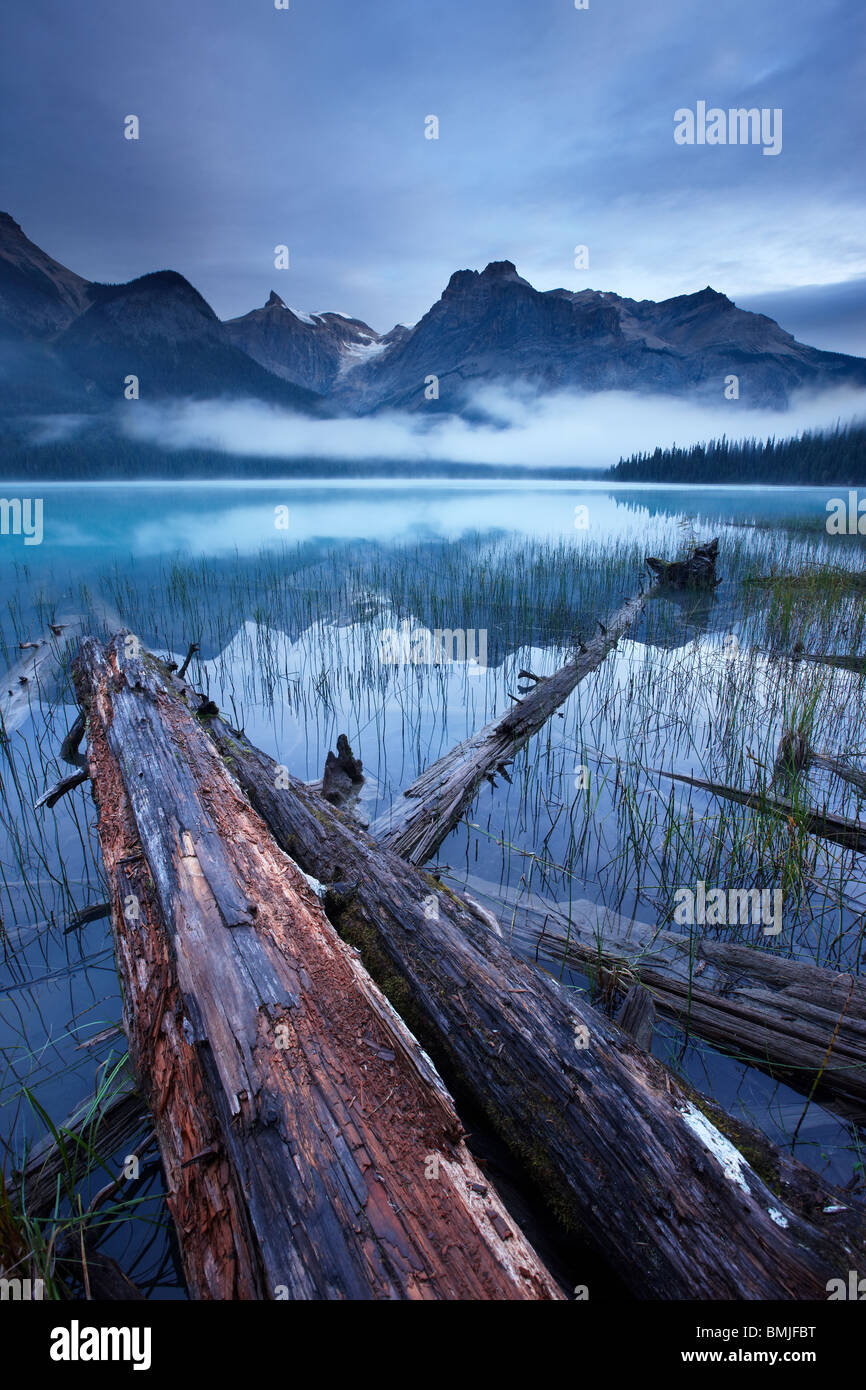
(297,672)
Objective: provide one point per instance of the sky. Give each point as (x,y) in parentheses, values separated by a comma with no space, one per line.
(305,127)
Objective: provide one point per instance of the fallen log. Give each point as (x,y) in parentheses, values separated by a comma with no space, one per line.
(840,661)
(651,1173)
(840,767)
(826,824)
(790,1018)
(795,755)
(842,578)
(419,820)
(310,1149)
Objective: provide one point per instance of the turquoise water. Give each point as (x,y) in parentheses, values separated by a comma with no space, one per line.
(102,521)
(288,588)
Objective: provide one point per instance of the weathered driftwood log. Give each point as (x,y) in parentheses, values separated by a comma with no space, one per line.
(788,1017)
(420,819)
(698,571)
(842,830)
(310,1149)
(625,1152)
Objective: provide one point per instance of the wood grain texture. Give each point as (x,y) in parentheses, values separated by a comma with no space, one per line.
(296,1115)
(624,1152)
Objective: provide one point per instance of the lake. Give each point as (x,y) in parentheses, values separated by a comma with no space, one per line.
(291,591)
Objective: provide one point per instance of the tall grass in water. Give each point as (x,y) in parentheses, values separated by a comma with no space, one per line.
(289,647)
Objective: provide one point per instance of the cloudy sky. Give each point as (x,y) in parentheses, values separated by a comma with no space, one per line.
(305,127)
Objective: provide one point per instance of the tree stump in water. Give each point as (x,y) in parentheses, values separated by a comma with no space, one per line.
(696,572)
(343,773)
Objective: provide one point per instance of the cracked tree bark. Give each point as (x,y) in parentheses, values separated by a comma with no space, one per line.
(310,1148)
(680,1200)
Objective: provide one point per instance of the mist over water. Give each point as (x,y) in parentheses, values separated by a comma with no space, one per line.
(508,428)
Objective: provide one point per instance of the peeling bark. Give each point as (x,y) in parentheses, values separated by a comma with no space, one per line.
(310,1148)
(679,1199)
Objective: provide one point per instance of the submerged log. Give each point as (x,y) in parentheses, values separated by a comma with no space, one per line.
(842,578)
(839,660)
(842,830)
(420,819)
(103,1279)
(791,1018)
(34,676)
(51,1166)
(651,1173)
(840,767)
(310,1149)
(698,571)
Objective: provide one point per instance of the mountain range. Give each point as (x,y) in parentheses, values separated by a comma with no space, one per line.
(69,345)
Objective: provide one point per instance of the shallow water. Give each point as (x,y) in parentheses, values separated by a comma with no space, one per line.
(290,620)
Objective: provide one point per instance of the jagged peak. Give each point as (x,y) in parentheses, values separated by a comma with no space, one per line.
(461,280)
(500,270)
(494,273)
(705,296)
(274,301)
